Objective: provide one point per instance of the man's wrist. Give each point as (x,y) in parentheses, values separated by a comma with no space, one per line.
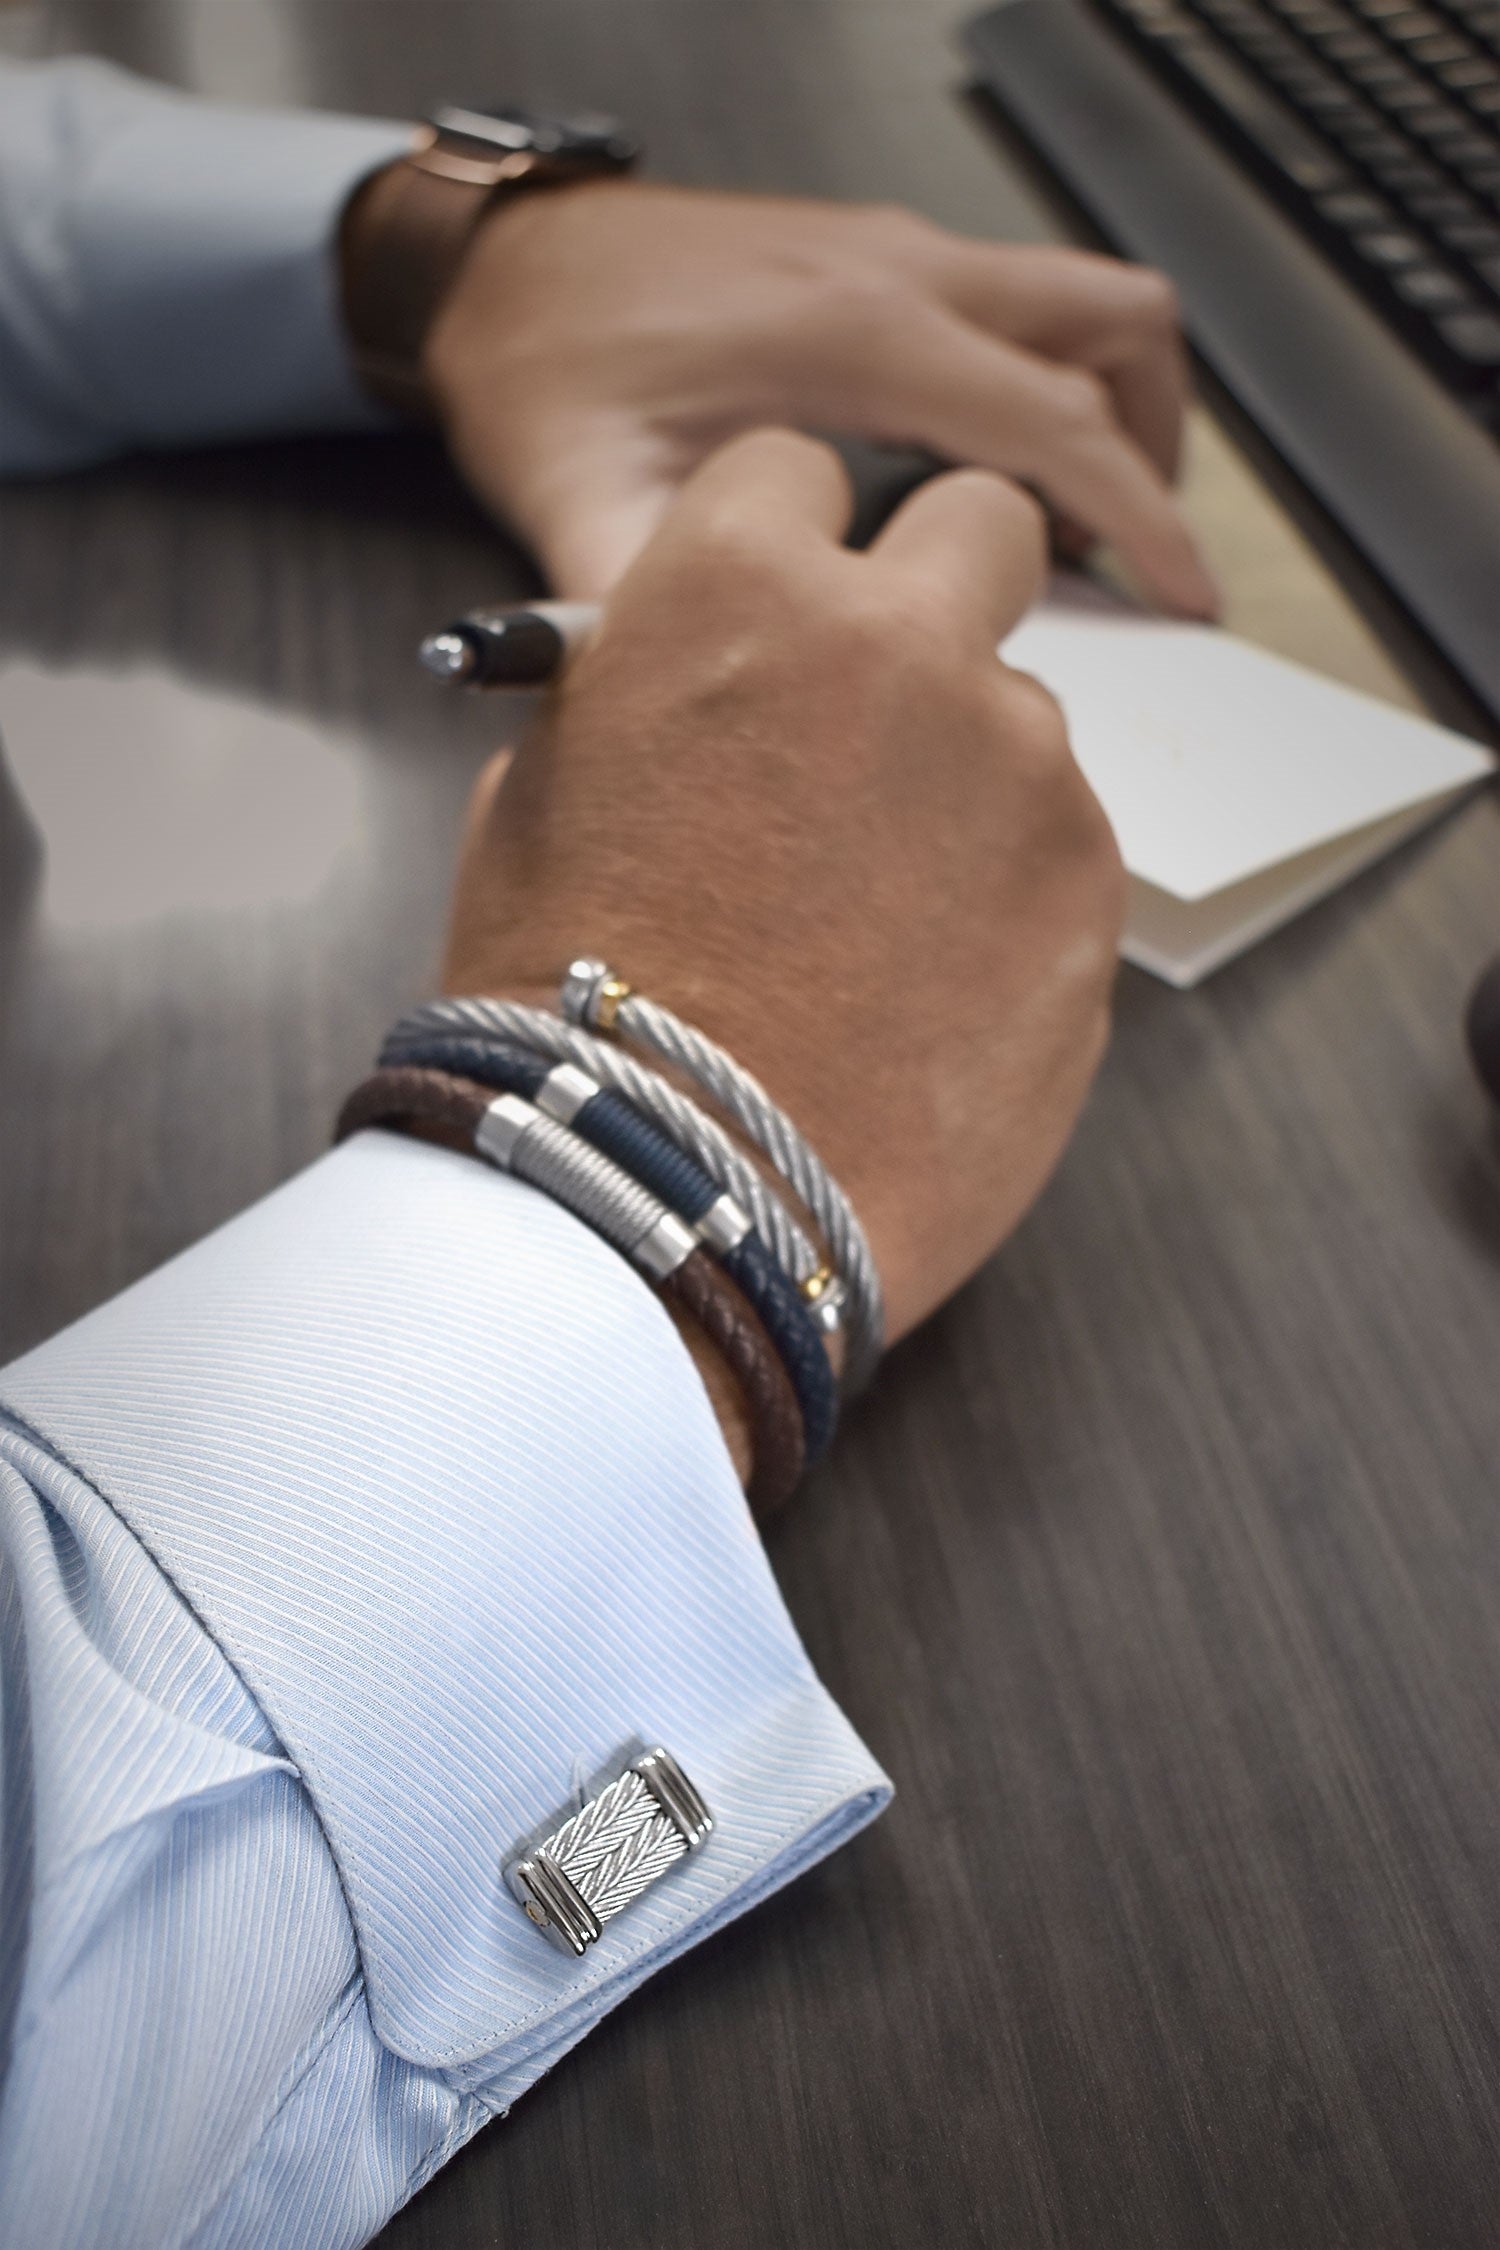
(408,230)
(388,293)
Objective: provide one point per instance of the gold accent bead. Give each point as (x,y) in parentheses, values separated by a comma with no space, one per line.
(817,1284)
(607,1002)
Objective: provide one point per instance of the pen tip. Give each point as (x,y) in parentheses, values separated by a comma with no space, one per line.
(447,656)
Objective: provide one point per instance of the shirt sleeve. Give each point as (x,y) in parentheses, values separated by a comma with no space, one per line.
(337,1559)
(167,266)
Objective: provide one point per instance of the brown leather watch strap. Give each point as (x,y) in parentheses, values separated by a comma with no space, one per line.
(404,236)
(407,1096)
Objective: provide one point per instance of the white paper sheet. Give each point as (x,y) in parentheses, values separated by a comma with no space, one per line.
(1219,765)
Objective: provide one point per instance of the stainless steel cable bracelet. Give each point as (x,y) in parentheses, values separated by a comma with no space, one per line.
(593,995)
(688,1125)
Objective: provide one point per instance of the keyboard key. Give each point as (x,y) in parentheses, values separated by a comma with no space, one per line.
(1486,99)
(1474,72)
(1412,95)
(1435,124)
(1311,20)
(1350,47)
(1270,47)
(1431,288)
(1385,71)
(1488,270)
(1353,208)
(1444,210)
(1275,132)
(1474,336)
(1390,248)
(1476,238)
(1411,183)
(1380,151)
(1443,49)
(1334,106)
(1302,81)
(1394,79)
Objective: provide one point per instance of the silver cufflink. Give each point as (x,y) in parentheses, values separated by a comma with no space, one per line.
(603,1858)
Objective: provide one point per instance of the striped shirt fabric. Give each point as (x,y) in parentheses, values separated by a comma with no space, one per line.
(167,268)
(338,1559)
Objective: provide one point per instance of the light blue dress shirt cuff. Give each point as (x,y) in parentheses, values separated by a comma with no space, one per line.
(434,1469)
(167,266)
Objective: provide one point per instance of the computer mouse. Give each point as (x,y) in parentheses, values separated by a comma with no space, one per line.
(1482,1023)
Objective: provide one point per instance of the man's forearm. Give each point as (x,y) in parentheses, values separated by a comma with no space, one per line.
(168,270)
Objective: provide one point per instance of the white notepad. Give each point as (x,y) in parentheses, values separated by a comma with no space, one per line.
(1241,788)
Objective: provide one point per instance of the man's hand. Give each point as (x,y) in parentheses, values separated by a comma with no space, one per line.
(600,340)
(790,791)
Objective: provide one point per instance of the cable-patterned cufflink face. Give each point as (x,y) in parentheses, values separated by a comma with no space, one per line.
(602,1859)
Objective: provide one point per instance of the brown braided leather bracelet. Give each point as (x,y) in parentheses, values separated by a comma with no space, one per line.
(408,1098)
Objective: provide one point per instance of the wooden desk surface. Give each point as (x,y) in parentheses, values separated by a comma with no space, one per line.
(1163,1569)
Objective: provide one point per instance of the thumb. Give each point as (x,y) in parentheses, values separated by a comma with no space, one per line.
(588,510)
(585,548)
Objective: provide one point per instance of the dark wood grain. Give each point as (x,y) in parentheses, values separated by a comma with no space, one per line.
(1163,1569)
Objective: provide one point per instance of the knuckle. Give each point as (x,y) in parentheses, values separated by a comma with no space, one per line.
(1041,753)
(1110,877)
(1034,722)
(1088,964)
(897,222)
(888,631)
(1156,299)
(733,548)
(1070,264)
(1009,501)
(1098,1023)
(866,310)
(775,444)
(1017,515)
(1079,402)
(1095,891)
(1103,881)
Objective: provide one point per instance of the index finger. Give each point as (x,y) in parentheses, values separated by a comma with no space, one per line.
(1115,319)
(775,481)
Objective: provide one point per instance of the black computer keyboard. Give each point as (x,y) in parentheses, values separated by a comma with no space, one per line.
(1251,206)
(1376,124)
